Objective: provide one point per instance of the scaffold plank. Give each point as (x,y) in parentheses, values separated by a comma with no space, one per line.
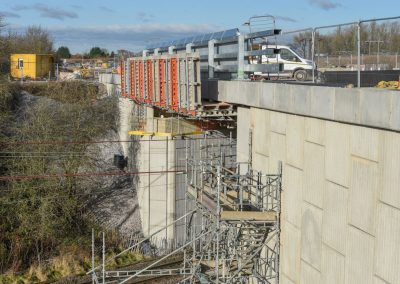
(267,216)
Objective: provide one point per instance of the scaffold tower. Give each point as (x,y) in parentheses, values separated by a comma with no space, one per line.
(238,215)
(231,221)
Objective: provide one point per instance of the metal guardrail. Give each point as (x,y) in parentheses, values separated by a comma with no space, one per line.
(230,55)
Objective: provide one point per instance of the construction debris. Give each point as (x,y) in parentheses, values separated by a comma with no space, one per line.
(389,85)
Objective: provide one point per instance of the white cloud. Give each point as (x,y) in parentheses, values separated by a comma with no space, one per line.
(144,17)
(286,19)
(325,4)
(6,14)
(106,9)
(46,11)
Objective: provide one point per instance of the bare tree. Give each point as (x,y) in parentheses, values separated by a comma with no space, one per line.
(37,40)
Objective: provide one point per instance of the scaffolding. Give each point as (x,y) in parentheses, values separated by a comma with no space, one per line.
(237,210)
(229,228)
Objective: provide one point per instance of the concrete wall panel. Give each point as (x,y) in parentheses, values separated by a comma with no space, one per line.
(261,129)
(390,169)
(309,275)
(261,163)
(278,122)
(333,266)
(294,141)
(292,195)
(277,149)
(334,227)
(387,244)
(290,254)
(315,130)
(314,172)
(363,194)
(365,143)
(311,227)
(359,257)
(337,162)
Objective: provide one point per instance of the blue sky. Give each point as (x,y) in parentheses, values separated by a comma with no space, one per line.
(123,24)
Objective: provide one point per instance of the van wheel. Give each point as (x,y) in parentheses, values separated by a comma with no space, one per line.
(300,75)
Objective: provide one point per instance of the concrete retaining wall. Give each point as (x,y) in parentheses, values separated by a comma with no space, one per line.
(367,106)
(341,198)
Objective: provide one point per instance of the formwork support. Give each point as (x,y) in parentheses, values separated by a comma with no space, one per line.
(170,82)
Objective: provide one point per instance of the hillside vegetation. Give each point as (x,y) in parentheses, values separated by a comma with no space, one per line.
(45,222)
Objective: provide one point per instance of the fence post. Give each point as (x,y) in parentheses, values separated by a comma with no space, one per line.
(240,74)
(313,54)
(189,47)
(211,51)
(93,264)
(359,54)
(104,259)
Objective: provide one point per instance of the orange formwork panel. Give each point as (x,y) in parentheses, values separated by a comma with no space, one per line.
(123,93)
(141,81)
(150,82)
(162,64)
(174,95)
(136,79)
(132,89)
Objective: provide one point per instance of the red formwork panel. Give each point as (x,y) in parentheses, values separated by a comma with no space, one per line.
(141,81)
(156,81)
(150,82)
(174,95)
(162,64)
(132,94)
(123,93)
(136,79)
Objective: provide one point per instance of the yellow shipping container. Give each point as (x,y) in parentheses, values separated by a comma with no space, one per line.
(33,66)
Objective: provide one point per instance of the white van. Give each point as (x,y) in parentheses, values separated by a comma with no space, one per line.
(294,66)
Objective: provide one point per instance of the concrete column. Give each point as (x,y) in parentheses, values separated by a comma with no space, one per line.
(211,52)
(171,49)
(156,51)
(149,127)
(144,52)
